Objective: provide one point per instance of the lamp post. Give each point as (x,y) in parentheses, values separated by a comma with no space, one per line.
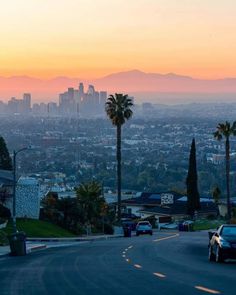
(15,153)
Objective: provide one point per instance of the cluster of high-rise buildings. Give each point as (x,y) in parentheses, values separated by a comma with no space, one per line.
(17,106)
(73,102)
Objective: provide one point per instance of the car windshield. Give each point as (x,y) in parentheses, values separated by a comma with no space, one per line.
(228,231)
(144,223)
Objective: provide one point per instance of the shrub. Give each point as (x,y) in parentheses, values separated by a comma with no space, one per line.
(211,217)
(5,213)
(233,220)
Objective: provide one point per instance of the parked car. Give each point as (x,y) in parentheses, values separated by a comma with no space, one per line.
(129,223)
(222,244)
(143,227)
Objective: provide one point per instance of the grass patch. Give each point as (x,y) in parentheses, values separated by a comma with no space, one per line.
(205,224)
(38,228)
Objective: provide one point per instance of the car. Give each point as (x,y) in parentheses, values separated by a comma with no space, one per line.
(222,244)
(143,227)
(129,223)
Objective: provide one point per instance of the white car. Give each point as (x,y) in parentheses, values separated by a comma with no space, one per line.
(143,227)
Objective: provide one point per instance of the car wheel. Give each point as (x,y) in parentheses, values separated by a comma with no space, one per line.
(137,234)
(151,233)
(211,256)
(219,256)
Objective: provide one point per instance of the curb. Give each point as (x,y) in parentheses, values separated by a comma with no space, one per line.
(4,255)
(73,239)
(35,248)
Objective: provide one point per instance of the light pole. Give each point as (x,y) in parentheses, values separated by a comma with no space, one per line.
(15,153)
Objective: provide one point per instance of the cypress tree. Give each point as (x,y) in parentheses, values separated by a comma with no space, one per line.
(193,198)
(5,159)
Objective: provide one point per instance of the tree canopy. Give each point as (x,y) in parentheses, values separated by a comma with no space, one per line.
(5,159)
(193,201)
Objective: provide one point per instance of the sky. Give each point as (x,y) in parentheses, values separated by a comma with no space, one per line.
(93,38)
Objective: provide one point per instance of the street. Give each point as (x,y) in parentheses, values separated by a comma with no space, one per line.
(165,263)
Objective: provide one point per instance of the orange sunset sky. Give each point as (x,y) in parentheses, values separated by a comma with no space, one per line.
(92,38)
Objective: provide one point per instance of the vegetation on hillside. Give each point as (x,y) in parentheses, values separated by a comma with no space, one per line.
(87,210)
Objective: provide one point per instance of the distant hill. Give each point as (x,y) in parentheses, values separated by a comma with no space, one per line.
(129,82)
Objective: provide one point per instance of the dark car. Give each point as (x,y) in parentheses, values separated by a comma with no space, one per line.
(222,243)
(129,223)
(143,227)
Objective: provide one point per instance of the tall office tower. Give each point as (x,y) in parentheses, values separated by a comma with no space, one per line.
(13,105)
(81,88)
(71,101)
(26,102)
(102,98)
(52,108)
(64,103)
(91,90)
(76,96)
(70,94)
(81,92)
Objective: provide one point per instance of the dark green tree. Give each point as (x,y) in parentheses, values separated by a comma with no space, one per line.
(5,159)
(193,198)
(225,130)
(216,193)
(90,202)
(118,109)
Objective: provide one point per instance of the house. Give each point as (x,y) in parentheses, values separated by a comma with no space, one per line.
(165,204)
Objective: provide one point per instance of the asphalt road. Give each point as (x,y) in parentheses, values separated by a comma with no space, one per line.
(165,264)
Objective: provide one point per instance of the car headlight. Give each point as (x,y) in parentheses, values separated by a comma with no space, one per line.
(224,243)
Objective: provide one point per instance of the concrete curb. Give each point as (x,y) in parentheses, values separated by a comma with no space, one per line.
(35,248)
(28,250)
(81,239)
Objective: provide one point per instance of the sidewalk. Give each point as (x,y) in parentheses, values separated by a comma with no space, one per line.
(5,250)
(76,239)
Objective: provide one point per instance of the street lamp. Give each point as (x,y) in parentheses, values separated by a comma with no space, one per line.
(15,153)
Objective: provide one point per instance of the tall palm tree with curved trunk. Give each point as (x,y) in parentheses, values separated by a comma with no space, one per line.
(225,130)
(118,109)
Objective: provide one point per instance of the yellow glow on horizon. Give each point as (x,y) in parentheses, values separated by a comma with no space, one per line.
(92,38)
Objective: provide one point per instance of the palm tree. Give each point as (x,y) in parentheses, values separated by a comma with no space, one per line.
(225,131)
(118,109)
(90,201)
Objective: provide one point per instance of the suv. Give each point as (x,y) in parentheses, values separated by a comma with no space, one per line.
(143,227)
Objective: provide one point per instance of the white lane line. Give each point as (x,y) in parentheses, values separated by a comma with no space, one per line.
(204,289)
(123,256)
(160,275)
(137,266)
(123,252)
(130,247)
(166,238)
(128,260)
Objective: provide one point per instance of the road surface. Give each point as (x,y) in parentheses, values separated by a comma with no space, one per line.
(165,264)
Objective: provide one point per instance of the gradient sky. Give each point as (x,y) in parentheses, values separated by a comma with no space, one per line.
(92,38)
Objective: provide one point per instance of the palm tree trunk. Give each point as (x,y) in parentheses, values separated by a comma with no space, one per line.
(118,157)
(227,151)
